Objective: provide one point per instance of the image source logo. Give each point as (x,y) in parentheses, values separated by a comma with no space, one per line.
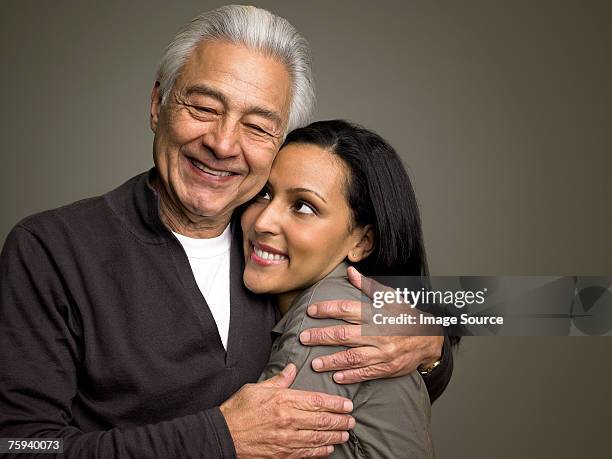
(421,297)
(488,305)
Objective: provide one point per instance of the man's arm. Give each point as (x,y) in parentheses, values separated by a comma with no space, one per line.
(438,379)
(286,423)
(375,357)
(41,361)
(40,355)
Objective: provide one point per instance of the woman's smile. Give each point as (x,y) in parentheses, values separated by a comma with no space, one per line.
(298,228)
(265,255)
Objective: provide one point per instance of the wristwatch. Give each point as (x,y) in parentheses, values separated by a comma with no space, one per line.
(427,370)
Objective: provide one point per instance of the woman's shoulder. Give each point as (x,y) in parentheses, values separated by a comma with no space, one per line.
(334,286)
(287,346)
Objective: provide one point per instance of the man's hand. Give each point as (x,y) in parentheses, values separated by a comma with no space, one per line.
(370,357)
(269,420)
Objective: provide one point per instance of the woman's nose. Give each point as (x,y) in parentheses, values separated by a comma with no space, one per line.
(269,220)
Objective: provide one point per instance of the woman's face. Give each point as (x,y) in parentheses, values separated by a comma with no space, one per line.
(296,231)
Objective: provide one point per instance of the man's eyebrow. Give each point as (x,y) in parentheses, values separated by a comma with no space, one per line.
(203,90)
(265,113)
(306,190)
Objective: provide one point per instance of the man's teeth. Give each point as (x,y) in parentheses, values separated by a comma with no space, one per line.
(267,255)
(208,170)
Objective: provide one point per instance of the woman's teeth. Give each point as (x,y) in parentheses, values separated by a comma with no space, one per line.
(208,170)
(267,255)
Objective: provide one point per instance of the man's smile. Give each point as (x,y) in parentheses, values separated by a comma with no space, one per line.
(206,173)
(209,170)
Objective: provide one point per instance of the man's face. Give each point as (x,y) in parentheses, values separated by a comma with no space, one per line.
(218,133)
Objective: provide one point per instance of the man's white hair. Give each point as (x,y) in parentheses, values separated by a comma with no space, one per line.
(254,28)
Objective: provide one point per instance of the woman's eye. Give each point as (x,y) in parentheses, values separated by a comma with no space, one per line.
(304,208)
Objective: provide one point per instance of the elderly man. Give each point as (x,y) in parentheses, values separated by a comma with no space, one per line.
(117,330)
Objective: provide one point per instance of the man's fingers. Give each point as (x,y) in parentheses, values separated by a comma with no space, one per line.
(351,358)
(318,438)
(282,380)
(365,284)
(317,401)
(322,451)
(368,373)
(308,420)
(348,310)
(354,276)
(338,335)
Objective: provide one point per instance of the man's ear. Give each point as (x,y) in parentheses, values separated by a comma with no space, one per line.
(364,245)
(155,106)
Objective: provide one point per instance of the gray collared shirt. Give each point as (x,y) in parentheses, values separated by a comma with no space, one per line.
(392,415)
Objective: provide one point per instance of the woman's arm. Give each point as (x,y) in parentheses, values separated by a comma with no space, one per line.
(392,415)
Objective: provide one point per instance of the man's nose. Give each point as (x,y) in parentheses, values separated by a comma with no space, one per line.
(223,139)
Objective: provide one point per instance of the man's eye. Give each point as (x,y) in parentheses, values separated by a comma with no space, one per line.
(304,208)
(205,109)
(202,109)
(257,128)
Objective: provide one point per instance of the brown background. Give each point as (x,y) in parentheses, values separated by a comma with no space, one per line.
(501,110)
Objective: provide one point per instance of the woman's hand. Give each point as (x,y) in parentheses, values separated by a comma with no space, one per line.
(369,357)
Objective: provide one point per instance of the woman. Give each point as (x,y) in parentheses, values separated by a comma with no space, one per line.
(337,196)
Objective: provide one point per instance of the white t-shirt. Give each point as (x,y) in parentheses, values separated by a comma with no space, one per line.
(210,264)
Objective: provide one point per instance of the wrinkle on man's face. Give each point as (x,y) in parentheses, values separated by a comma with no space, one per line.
(220,130)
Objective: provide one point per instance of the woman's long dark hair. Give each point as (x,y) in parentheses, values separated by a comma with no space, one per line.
(378,191)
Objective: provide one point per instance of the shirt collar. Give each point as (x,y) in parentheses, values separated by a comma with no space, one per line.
(137,204)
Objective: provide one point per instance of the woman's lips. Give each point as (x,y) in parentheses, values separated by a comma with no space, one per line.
(265,255)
